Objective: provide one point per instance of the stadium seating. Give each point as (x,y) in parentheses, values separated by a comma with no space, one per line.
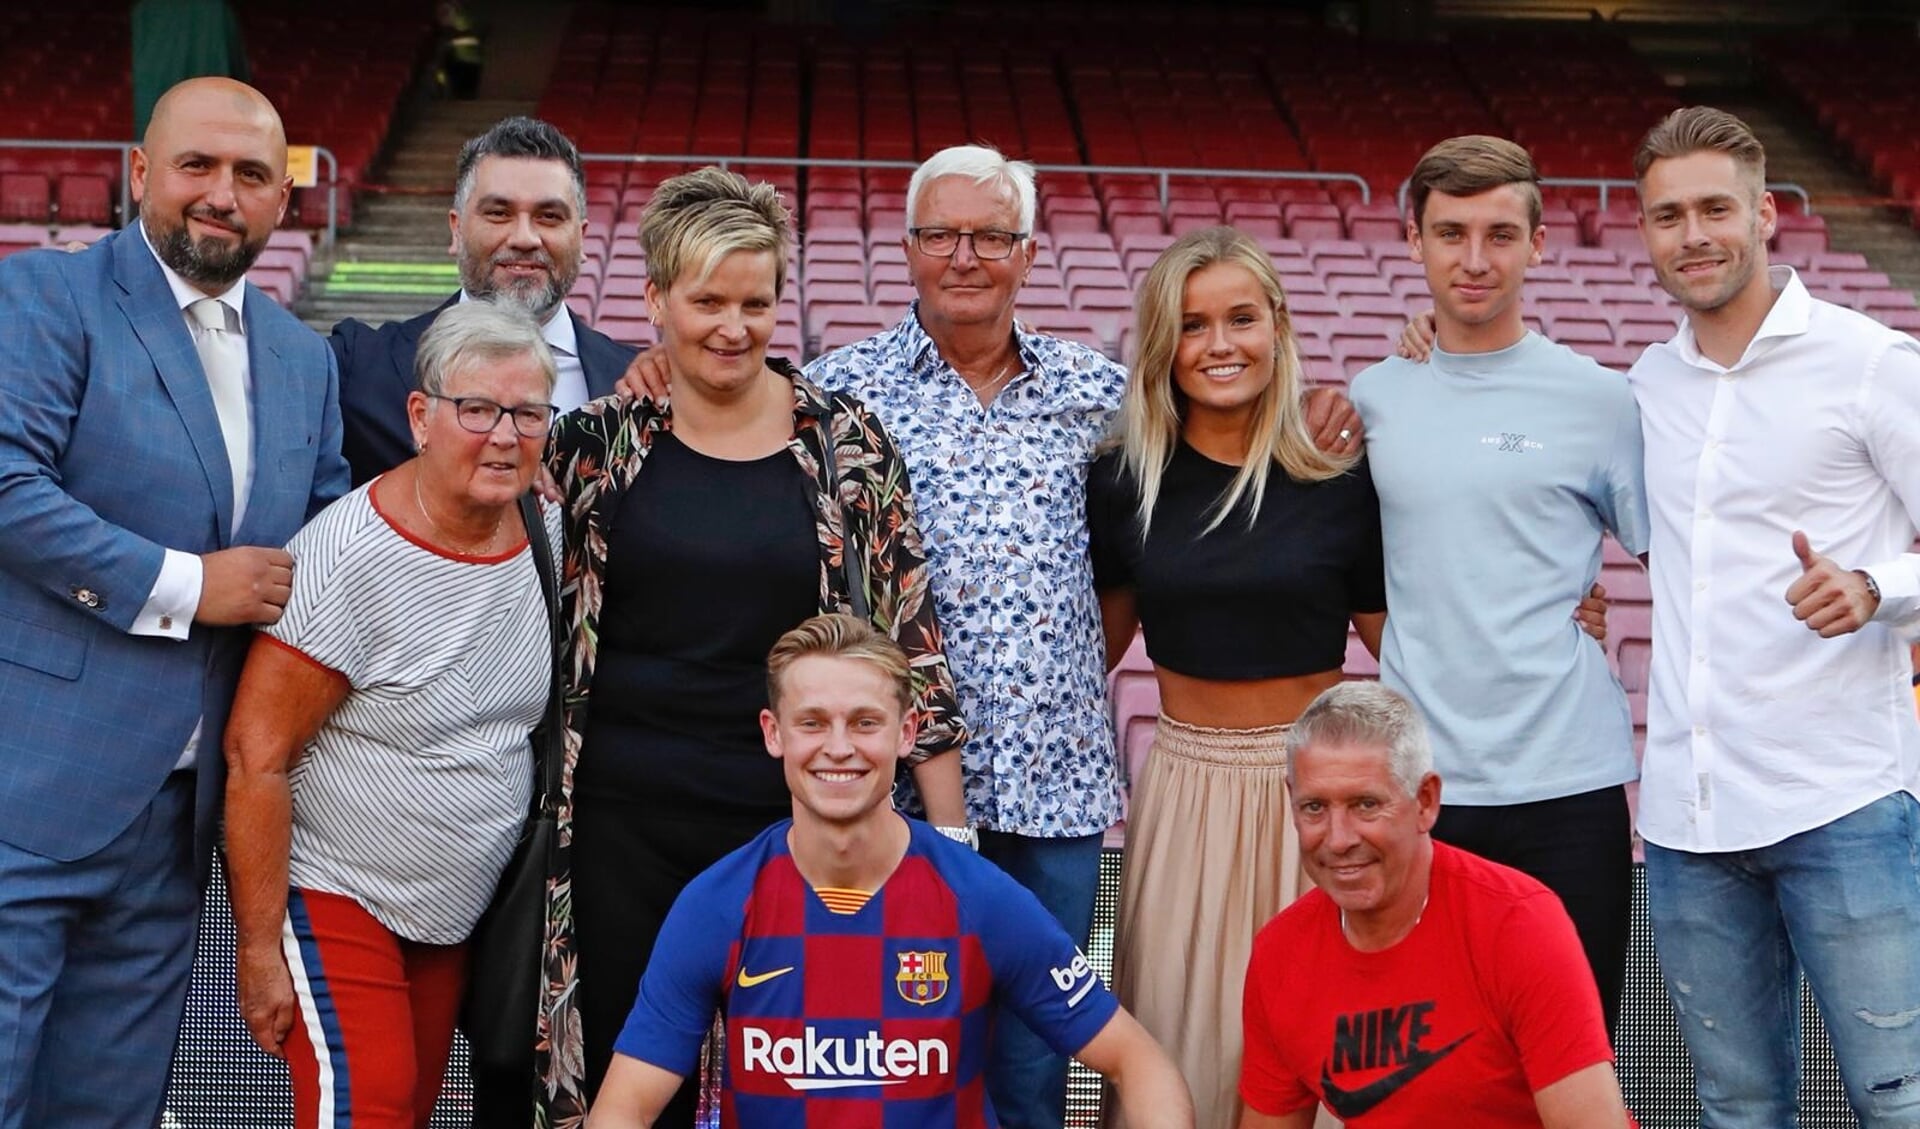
(335,73)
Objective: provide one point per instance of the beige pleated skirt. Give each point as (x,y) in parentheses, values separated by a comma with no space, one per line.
(1211,857)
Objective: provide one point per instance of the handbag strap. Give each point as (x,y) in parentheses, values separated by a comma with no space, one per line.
(549,737)
(849,559)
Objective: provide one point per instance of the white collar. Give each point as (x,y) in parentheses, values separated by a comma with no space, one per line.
(1790,316)
(186,294)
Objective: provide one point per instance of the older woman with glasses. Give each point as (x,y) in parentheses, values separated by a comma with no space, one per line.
(698,531)
(378,753)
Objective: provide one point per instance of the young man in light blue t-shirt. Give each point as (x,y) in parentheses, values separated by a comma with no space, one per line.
(1500,463)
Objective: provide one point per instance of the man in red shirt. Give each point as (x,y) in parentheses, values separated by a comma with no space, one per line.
(1419,985)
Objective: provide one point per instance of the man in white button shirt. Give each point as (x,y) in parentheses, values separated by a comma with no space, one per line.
(164,429)
(1777,799)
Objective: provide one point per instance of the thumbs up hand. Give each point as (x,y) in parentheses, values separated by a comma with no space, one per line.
(1827,598)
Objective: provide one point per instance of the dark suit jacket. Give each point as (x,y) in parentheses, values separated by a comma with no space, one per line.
(110,453)
(376,373)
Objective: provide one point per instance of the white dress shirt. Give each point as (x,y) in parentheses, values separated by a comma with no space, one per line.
(169,609)
(1757,728)
(569,376)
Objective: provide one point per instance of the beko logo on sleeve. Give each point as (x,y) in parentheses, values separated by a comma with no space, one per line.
(1077,979)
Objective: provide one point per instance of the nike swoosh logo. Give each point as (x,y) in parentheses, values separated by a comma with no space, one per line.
(1349,1104)
(747,980)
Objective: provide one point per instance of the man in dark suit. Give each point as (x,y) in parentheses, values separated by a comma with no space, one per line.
(519,210)
(164,429)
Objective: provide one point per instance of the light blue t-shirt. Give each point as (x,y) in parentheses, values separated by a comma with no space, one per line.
(1497,474)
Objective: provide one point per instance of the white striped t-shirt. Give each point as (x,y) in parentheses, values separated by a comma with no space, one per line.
(412,794)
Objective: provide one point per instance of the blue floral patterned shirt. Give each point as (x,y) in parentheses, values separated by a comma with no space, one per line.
(1001,494)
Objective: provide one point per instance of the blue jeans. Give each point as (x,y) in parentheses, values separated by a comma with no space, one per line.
(1734,930)
(1026,1080)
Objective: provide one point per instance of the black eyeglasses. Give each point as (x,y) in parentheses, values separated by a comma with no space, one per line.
(481,415)
(988,243)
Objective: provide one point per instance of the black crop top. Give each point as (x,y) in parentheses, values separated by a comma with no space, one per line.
(1272,601)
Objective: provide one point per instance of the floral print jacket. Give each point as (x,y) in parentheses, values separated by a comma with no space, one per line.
(594,455)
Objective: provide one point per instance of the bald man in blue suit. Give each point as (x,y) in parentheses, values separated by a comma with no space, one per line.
(146,487)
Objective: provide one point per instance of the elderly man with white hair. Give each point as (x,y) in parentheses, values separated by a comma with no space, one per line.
(1419,984)
(998,425)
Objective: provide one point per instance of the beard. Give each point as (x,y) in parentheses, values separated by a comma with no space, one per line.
(208,261)
(538,296)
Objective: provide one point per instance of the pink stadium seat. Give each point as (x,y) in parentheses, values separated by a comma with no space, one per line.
(1580,331)
(85,199)
(835,270)
(623,309)
(1798,232)
(1041,298)
(1378,222)
(1344,284)
(1638,333)
(1258,218)
(630,330)
(1314,222)
(25,196)
(1874,301)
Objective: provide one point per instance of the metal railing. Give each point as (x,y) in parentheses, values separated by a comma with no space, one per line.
(126,148)
(1163,175)
(1605,183)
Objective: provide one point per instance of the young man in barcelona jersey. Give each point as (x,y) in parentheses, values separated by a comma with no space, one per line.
(860,959)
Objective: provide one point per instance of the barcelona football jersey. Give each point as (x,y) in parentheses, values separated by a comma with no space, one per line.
(878,1019)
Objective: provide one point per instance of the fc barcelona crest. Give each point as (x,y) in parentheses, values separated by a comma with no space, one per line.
(922,978)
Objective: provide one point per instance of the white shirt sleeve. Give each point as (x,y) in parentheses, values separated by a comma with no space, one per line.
(1890,411)
(175,597)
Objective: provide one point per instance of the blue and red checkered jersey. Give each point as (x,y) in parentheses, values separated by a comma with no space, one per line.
(873,1020)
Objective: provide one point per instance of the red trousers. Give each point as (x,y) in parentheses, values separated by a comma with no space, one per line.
(369,1046)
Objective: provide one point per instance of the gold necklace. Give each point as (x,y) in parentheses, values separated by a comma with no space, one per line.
(1348,935)
(440,535)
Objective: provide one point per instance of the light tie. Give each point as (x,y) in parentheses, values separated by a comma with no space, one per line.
(222,355)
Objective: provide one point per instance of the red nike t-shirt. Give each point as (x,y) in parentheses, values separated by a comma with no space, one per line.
(1488,1000)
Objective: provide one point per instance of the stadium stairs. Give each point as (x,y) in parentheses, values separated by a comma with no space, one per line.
(393,263)
(1800,152)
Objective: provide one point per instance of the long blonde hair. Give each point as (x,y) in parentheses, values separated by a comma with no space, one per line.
(1154,407)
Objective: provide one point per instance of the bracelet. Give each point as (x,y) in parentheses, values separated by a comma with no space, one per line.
(1873,586)
(967,835)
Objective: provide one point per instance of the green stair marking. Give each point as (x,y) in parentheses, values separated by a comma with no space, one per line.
(390,278)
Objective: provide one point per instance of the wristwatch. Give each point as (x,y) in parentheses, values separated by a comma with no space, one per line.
(967,835)
(1873,586)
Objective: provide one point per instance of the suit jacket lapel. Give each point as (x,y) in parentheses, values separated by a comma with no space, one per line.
(601,361)
(148,304)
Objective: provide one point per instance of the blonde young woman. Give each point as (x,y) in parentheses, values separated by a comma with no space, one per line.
(1243,551)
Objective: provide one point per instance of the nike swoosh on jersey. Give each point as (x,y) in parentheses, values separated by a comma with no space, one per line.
(1349,1104)
(748,980)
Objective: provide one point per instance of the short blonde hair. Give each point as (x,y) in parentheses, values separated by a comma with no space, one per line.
(1153,407)
(1703,129)
(840,636)
(696,219)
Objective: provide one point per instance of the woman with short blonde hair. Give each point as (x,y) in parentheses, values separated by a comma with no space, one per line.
(698,533)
